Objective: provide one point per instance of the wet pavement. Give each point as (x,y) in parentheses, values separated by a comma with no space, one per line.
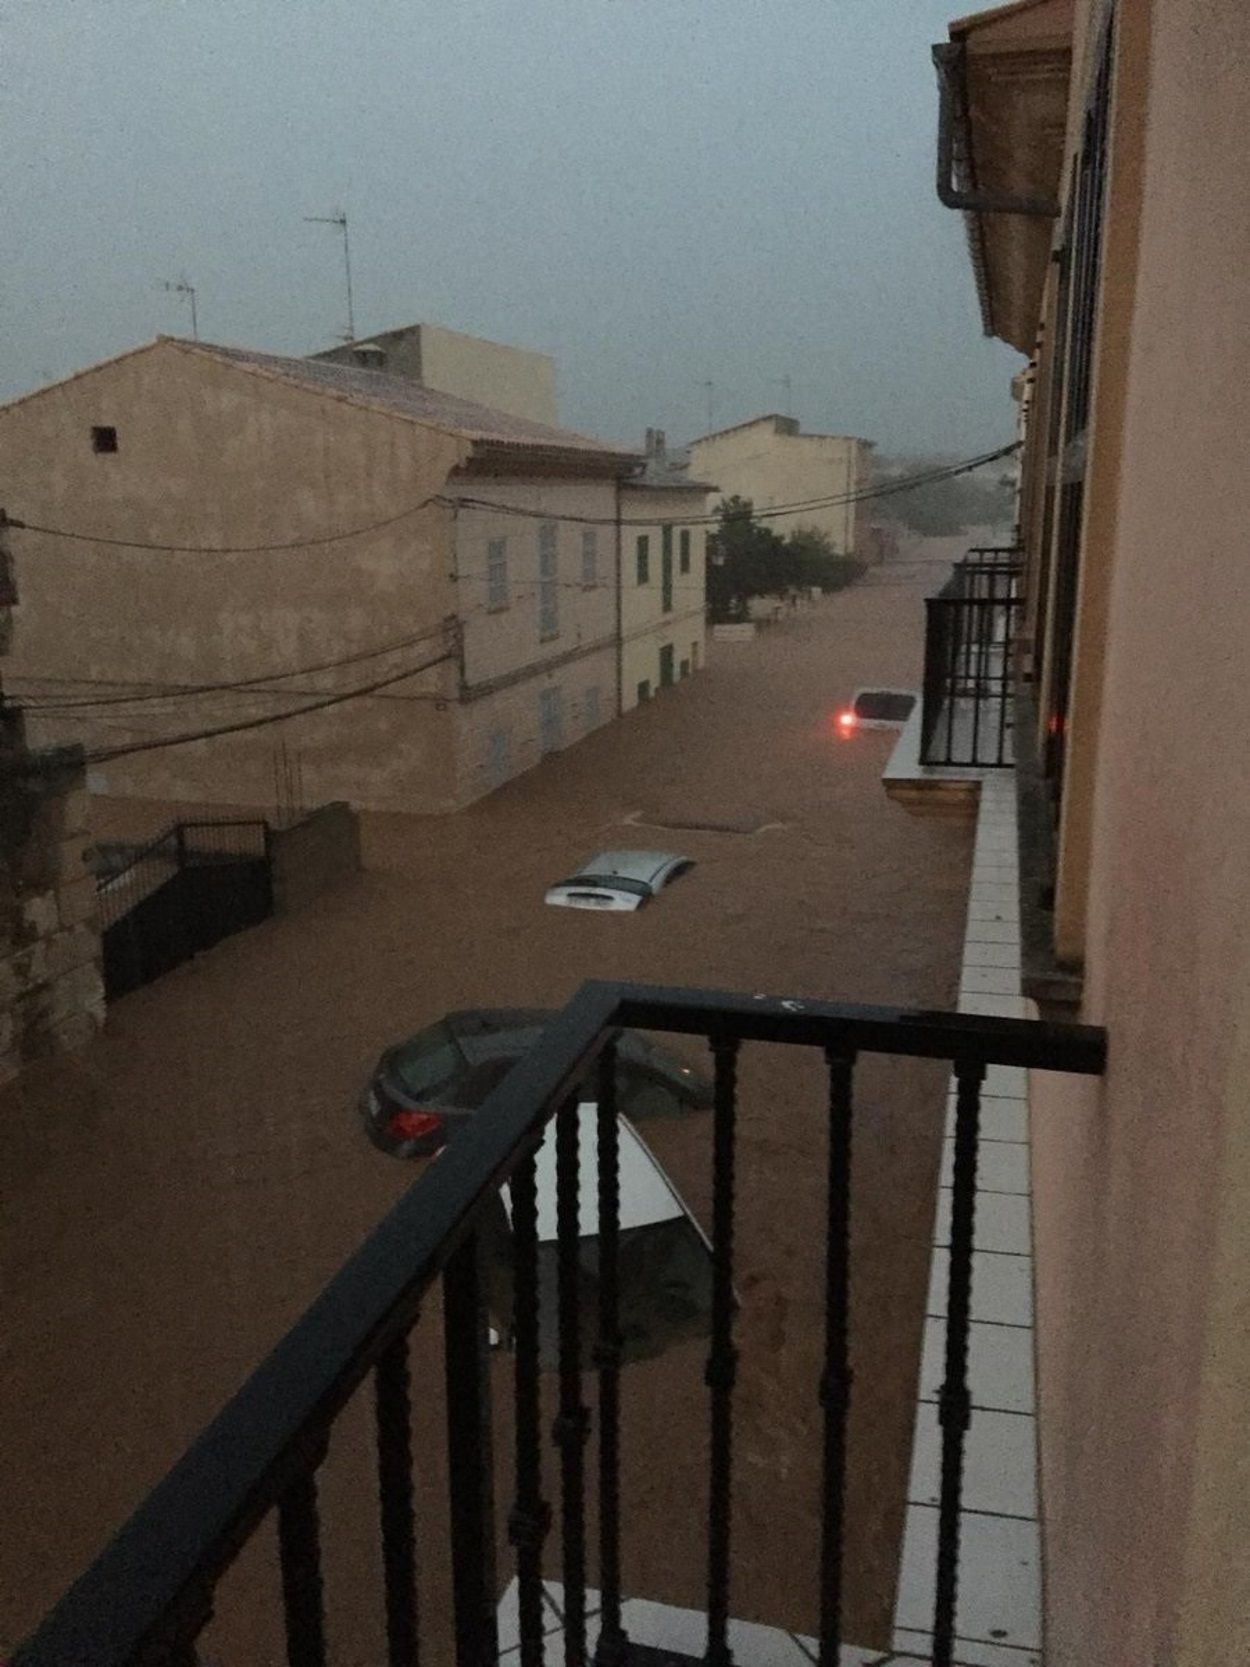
(175,1194)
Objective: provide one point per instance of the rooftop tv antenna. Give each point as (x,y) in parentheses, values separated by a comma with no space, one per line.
(339,219)
(183,287)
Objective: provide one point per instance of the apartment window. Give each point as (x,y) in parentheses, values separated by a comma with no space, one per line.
(591,707)
(643,548)
(497,573)
(666,570)
(548,582)
(666,666)
(683,669)
(684,550)
(499,756)
(104,439)
(550,720)
(590,556)
(644,690)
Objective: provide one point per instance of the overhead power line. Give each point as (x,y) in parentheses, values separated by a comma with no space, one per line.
(107,755)
(904,483)
(228,549)
(172,691)
(888,489)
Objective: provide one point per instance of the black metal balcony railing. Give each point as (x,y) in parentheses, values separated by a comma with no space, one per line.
(970,626)
(150,1594)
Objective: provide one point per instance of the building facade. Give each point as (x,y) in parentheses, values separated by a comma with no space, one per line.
(511,379)
(663,576)
(257,536)
(1100,154)
(771,462)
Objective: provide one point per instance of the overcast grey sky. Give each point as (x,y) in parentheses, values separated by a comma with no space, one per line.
(656,191)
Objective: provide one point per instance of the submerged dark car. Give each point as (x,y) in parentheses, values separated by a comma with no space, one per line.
(425,1088)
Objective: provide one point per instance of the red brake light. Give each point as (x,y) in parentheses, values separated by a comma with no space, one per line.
(412,1125)
(846,721)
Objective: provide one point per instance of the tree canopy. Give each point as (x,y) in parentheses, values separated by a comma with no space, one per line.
(747,559)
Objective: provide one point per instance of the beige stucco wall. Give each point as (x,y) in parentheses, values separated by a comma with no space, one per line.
(1142,1188)
(499,735)
(209,454)
(1115,327)
(757,462)
(512,379)
(499,642)
(506,378)
(646,629)
(507,658)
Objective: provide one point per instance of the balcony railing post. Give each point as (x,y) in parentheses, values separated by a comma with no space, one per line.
(722,1364)
(610,1649)
(469,1454)
(835,1387)
(572,1423)
(954,1400)
(299,1553)
(395,1495)
(530,1519)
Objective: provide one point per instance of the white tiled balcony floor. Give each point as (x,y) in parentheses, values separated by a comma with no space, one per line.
(999,1612)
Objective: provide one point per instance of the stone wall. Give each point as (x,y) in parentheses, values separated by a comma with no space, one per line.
(51,992)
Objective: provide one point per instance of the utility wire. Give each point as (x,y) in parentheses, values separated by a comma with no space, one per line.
(108,754)
(903,484)
(228,549)
(171,691)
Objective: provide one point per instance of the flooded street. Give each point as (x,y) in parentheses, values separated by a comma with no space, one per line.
(175,1194)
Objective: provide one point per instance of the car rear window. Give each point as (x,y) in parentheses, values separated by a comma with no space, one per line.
(608,882)
(427,1064)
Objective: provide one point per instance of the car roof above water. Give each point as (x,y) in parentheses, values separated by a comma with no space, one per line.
(642,866)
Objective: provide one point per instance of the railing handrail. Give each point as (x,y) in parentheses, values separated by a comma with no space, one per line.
(167,1558)
(143,854)
(171,834)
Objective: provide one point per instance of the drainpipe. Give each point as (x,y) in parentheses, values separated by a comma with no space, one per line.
(950,60)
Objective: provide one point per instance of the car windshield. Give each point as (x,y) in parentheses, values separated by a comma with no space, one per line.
(607,882)
(428,1063)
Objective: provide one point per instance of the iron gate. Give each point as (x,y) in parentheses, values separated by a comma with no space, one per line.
(193,885)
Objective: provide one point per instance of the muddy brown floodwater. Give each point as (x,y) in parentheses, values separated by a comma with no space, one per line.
(176,1193)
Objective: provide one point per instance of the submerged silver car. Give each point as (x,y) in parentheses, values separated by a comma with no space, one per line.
(620,880)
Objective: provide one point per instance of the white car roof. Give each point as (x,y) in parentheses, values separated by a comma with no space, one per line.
(630,865)
(647,1194)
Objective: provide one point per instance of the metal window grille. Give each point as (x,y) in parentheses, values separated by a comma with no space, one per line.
(550,720)
(497,573)
(590,556)
(548,581)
